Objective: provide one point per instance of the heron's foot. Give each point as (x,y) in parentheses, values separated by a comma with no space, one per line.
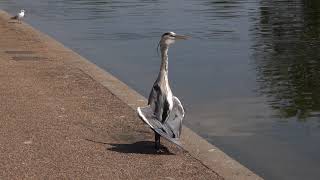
(159,148)
(160,151)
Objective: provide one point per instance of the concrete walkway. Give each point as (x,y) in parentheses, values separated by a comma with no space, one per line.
(62,117)
(59,123)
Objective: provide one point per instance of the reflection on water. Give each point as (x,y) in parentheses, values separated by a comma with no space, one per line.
(248,78)
(221,16)
(287,51)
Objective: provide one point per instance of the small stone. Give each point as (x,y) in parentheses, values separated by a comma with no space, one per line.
(28,142)
(170,178)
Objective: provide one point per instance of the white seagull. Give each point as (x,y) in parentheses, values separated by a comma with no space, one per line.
(20,15)
(164,113)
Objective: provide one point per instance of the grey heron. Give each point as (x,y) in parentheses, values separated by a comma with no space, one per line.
(164,112)
(19,16)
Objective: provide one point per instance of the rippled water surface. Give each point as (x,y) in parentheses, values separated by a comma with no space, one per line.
(249,78)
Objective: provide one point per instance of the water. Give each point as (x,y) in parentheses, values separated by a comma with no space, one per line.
(249,78)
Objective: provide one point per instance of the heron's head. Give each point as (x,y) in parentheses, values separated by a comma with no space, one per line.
(22,10)
(169,38)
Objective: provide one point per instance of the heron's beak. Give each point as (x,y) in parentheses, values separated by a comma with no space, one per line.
(183,37)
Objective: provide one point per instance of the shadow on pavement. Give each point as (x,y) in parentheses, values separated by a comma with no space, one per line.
(140,147)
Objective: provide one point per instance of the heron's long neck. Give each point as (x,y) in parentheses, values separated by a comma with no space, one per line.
(164,63)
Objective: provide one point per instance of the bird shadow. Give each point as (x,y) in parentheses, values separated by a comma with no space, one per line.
(140,147)
(14,21)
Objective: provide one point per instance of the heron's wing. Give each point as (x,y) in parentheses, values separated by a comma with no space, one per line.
(174,120)
(167,123)
(147,115)
(158,103)
(167,133)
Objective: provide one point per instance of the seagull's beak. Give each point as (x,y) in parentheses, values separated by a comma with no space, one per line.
(183,37)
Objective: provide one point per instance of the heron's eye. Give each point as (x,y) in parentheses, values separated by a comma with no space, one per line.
(168,34)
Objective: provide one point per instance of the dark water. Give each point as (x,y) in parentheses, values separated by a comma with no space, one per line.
(249,78)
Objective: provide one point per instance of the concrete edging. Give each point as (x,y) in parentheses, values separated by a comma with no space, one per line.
(199,148)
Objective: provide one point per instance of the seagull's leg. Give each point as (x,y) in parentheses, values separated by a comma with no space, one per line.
(157,140)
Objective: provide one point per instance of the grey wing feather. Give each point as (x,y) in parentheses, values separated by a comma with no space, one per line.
(168,137)
(174,121)
(147,115)
(171,127)
(158,102)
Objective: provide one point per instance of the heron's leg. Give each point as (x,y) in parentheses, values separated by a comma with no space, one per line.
(157,140)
